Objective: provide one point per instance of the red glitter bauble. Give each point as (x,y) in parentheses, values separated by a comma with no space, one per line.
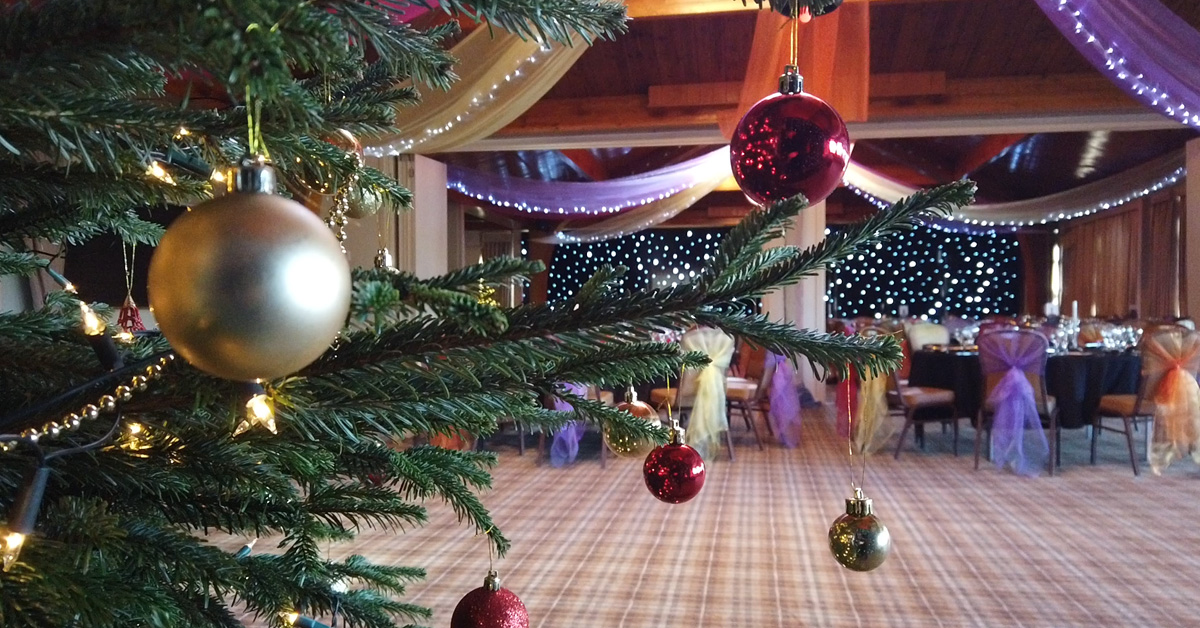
(488,607)
(789,144)
(674,473)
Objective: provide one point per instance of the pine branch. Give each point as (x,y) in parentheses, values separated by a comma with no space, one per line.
(20,263)
(543,19)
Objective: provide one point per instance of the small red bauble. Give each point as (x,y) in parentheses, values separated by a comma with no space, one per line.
(789,144)
(674,473)
(490,606)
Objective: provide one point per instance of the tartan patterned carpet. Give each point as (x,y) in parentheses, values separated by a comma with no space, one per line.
(1093,546)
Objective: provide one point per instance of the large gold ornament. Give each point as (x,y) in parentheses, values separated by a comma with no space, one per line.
(625,446)
(249,285)
(858,540)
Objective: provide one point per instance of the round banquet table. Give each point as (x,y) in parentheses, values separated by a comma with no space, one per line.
(1076,380)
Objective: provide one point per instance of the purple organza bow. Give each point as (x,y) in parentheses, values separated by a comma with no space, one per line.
(785,402)
(1017,436)
(565,447)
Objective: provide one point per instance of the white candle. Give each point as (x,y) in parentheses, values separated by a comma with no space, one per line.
(1048,309)
(1075,310)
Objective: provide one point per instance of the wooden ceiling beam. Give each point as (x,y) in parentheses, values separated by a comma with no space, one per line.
(990,100)
(694,95)
(908,84)
(668,8)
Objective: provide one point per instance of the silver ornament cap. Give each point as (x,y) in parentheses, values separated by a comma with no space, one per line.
(252,176)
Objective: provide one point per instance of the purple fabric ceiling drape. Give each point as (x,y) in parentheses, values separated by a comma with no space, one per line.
(593,198)
(1141,45)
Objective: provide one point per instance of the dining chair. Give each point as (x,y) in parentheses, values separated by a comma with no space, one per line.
(700,397)
(922,334)
(916,402)
(1163,350)
(748,396)
(1006,357)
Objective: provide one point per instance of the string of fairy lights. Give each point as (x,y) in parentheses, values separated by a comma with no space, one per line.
(926,273)
(659,258)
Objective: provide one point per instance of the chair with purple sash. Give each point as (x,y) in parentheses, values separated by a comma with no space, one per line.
(1016,408)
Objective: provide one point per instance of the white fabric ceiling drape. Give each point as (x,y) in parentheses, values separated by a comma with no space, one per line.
(502,77)
(1092,197)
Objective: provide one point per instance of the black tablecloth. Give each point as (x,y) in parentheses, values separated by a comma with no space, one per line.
(1077,381)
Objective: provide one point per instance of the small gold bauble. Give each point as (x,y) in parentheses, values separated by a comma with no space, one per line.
(858,540)
(108,402)
(249,285)
(91,412)
(125,393)
(624,446)
(364,200)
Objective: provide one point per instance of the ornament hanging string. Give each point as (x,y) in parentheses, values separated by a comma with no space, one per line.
(862,471)
(130,257)
(795,35)
(254,140)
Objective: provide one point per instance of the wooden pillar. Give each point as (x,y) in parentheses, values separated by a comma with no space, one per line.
(803,304)
(1191,233)
(539,284)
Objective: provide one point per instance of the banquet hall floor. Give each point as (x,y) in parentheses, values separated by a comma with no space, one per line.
(1093,546)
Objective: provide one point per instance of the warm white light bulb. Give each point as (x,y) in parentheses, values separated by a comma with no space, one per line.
(156,170)
(92,324)
(12,548)
(259,411)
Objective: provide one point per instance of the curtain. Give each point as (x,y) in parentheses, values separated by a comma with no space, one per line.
(1161,268)
(1101,263)
(502,77)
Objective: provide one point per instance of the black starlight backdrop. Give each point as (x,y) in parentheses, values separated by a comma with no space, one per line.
(929,273)
(932,273)
(657,257)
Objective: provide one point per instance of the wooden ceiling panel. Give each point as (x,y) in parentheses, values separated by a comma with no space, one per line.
(680,50)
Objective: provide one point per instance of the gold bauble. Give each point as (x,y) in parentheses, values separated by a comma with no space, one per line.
(858,540)
(249,285)
(364,200)
(627,447)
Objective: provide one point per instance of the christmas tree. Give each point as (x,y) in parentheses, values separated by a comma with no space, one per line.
(118,457)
